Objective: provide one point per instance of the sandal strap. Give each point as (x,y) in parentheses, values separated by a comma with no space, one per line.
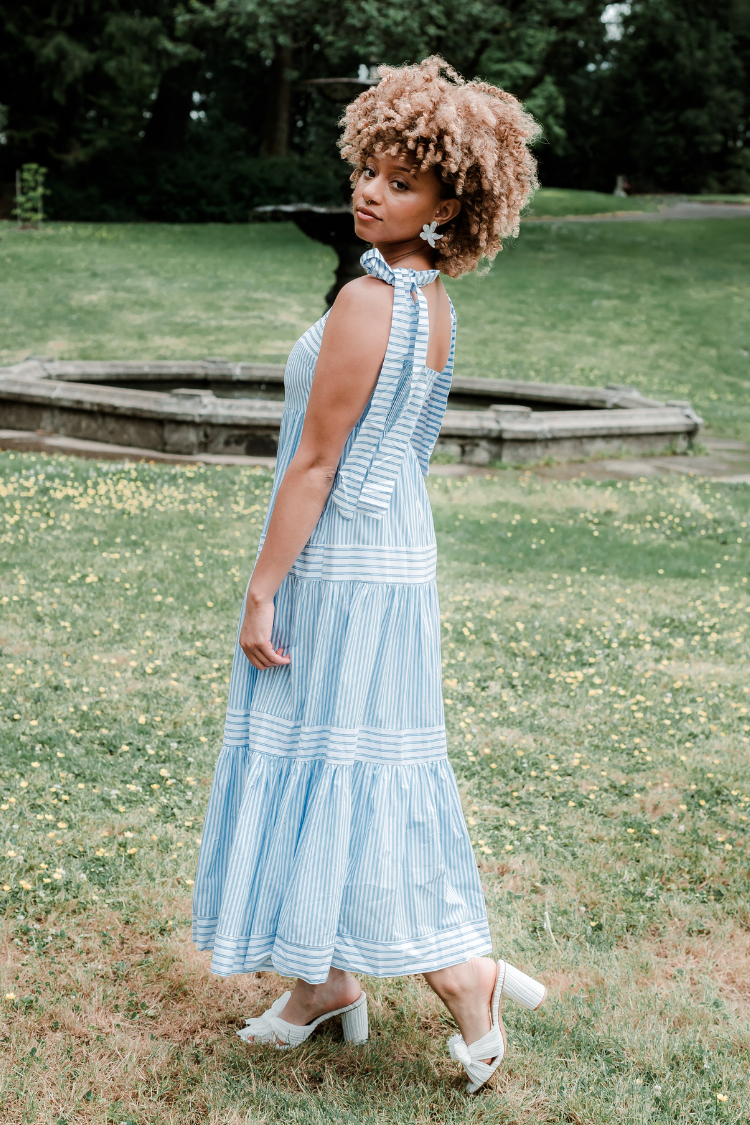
(272,1028)
(276,1008)
(260,1028)
(490,1046)
(277,1031)
(289,1034)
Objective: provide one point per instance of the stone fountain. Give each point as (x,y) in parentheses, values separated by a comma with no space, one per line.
(333,226)
(215,409)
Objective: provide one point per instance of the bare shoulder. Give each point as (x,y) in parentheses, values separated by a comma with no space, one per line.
(442,293)
(364,296)
(445,308)
(361,316)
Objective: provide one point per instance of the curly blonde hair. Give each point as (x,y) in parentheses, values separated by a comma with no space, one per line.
(476,133)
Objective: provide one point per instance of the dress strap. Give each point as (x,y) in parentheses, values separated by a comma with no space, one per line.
(399,401)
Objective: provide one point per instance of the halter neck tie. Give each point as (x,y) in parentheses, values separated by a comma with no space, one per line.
(400,411)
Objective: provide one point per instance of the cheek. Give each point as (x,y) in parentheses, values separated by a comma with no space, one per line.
(412,206)
(419,213)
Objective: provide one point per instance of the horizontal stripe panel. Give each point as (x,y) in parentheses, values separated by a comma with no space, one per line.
(425,954)
(272,954)
(268,734)
(348,562)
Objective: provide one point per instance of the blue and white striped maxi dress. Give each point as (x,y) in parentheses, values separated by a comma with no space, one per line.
(334,834)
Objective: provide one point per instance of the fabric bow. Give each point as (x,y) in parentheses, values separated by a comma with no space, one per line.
(490,1046)
(261,1028)
(459,1052)
(400,410)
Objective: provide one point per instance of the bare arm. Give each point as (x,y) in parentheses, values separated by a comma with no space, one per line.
(351,355)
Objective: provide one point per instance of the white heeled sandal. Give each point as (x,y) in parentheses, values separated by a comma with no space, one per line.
(271,1028)
(524,990)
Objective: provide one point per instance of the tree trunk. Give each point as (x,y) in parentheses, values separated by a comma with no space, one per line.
(167,127)
(278,106)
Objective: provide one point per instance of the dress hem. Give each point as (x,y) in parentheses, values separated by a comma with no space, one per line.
(270,953)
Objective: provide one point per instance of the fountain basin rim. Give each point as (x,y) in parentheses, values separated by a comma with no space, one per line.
(564,395)
(306,208)
(208,409)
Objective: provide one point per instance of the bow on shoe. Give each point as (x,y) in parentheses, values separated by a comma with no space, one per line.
(260,1028)
(490,1046)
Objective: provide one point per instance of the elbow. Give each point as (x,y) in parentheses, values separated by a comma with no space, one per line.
(326,475)
(318,470)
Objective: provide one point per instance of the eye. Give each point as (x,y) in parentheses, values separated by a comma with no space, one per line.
(400,185)
(369,172)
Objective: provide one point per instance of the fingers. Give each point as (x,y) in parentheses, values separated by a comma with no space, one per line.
(262,655)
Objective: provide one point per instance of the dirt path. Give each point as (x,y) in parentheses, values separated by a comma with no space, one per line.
(686,210)
(725,459)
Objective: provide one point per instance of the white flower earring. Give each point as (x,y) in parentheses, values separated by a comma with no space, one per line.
(428,234)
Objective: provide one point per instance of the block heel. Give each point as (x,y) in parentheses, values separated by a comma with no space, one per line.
(526,991)
(354,1022)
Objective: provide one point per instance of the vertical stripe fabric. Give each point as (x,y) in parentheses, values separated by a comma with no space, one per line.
(334,834)
(367,477)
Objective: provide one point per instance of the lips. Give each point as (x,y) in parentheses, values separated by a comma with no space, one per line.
(367,215)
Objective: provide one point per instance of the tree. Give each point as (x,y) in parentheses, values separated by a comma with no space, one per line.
(80,77)
(529,46)
(675,96)
(201,111)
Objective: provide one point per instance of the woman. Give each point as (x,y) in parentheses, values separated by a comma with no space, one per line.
(334,841)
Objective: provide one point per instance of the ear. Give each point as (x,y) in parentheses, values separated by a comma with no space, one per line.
(447,210)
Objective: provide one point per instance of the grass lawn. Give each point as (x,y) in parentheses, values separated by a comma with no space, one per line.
(597,709)
(557,202)
(664,307)
(660,306)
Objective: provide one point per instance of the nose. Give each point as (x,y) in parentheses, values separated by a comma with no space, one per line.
(372,190)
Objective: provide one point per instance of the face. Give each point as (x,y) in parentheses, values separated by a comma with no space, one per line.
(393,200)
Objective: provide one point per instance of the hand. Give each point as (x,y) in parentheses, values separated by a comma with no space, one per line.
(255,636)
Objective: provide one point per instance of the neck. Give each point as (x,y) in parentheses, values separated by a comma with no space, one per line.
(413,253)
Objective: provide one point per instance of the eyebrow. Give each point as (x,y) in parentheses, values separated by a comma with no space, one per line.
(411,170)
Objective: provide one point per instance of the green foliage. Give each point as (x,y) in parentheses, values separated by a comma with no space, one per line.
(166,113)
(29,199)
(675,96)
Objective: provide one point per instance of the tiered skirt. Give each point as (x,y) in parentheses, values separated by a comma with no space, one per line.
(334,834)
